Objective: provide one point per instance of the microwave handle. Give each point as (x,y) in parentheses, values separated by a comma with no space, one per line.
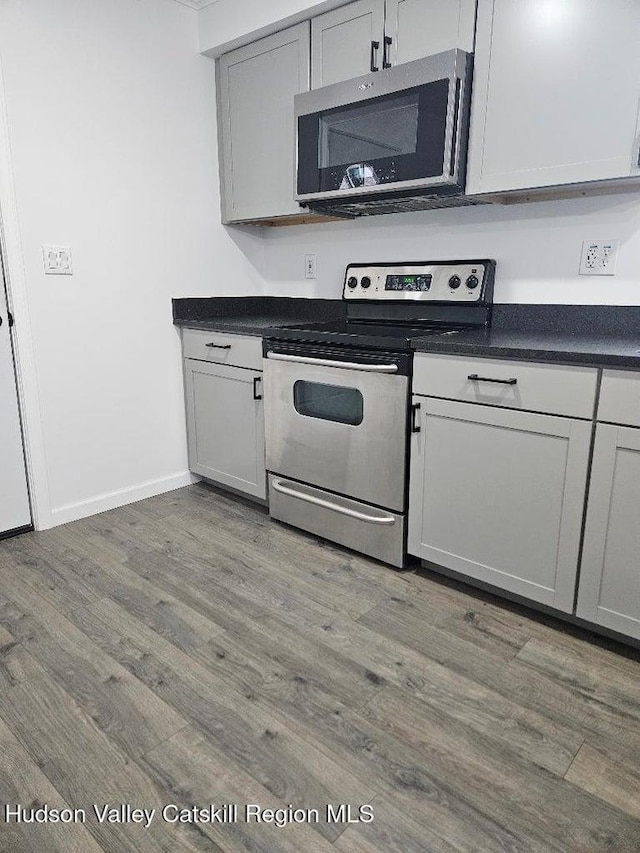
(374,55)
(635,157)
(456,122)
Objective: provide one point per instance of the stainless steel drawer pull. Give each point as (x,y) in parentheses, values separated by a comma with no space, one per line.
(325,362)
(219,346)
(475,378)
(290,490)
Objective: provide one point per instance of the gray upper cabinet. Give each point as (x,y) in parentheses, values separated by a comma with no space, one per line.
(368,35)
(343,42)
(256,86)
(556,94)
(420,28)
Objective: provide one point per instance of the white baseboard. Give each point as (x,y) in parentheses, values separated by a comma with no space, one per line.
(111,500)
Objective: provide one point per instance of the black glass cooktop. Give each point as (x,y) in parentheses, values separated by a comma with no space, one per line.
(351,333)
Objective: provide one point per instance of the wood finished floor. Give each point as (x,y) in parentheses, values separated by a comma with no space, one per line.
(186,649)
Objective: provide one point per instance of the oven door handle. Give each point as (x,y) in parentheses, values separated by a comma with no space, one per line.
(326,362)
(289,489)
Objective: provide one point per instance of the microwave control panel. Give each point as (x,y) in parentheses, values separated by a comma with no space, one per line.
(468,281)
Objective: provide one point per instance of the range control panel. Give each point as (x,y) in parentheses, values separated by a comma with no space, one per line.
(469,281)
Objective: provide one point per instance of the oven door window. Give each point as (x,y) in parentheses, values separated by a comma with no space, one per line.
(335,403)
(397,137)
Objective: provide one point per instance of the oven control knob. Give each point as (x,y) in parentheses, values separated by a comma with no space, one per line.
(352,281)
(472,282)
(365,281)
(454,282)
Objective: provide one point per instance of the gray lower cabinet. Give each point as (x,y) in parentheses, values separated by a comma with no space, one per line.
(498,495)
(225,425)
(555,94)
(609,591)
(357,38)
(256,87)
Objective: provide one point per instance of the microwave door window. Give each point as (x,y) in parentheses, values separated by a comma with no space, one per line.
(373,131)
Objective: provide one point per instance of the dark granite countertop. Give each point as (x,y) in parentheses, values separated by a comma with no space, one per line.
(253,315)
(240,325)
(557,347)
(595,335)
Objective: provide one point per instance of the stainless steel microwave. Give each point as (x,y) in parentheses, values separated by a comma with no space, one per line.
(395,134)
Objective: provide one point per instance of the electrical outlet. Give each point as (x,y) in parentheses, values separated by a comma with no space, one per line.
(599,257)
(309,266)
(57,260)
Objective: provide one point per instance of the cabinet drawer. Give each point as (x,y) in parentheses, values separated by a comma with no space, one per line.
(222,348)
(620,398)
(535,387)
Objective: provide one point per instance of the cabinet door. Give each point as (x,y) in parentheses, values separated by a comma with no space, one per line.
(498,496)
(225,425)
(341,42)
(256,86)
(419,28)
(609,591)
(556,93)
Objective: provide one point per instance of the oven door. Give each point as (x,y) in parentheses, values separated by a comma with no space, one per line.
(392,130)
(338,422)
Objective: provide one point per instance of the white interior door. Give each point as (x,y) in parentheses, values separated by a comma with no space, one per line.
(14,496)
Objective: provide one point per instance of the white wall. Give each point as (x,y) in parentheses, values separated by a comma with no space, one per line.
(226,24)
(111,123)
(537,247)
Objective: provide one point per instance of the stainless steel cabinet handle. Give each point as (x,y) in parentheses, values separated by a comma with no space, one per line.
(325,362)
(290,490)
(475,378)
(219,346)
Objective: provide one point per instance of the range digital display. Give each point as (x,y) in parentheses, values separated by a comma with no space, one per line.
(415,283)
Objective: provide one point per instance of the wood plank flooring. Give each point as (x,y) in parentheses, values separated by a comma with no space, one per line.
(187,650)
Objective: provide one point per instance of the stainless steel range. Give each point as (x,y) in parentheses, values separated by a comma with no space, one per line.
(337,399)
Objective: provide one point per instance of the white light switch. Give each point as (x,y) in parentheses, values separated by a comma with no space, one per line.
(57,260)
